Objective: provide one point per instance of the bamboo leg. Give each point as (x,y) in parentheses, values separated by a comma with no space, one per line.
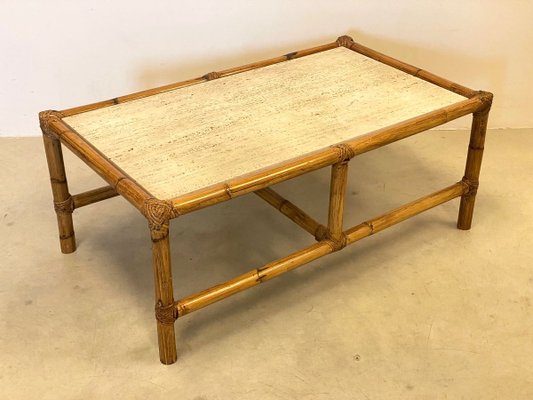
(339,174)
(62,200)
(473,166)
(164,294)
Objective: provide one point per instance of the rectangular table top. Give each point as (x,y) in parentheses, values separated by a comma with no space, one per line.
(189,138)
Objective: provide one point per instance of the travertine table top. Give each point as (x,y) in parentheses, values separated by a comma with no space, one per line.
(175,142)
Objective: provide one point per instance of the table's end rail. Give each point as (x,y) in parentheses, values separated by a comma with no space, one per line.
(444,83)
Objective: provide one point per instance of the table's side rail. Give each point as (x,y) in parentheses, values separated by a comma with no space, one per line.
(120,182)
(207,77)
(268,176)
(444,83)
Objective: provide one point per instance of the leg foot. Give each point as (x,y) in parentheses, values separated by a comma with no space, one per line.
(167,343)
(466,211)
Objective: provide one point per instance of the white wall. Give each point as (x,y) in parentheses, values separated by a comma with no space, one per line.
(62,53)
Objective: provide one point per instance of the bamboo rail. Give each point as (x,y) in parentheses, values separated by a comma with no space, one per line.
(292,212)
(345,41)
(195,81)
(349,43)
(252,278)
(271,270)
(406,211)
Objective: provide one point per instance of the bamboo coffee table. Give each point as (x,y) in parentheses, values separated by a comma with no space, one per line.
(182,147)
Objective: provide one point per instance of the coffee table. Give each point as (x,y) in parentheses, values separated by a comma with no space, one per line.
(189,145)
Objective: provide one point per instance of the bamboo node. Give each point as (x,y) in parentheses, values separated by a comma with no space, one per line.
(45,118)
(345,152)
(211,75)
(65,206)
(345,41)
(119,180)
(166,315)
(227,189)
(476,148)
(260,274)
(471,185)
(292,55)
(181,309)
(58,181)
(370,225)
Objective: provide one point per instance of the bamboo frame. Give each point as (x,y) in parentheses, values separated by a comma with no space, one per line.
(330,238)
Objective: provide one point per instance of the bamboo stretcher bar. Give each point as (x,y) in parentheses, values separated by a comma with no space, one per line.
(252,278)
(293,212)
(93,196)
(209,76)
(271,270)
(331,155)
(404,212)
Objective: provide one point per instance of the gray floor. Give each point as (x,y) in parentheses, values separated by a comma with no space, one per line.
(419,311)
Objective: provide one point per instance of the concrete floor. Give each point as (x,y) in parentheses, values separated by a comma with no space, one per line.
(419,311)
